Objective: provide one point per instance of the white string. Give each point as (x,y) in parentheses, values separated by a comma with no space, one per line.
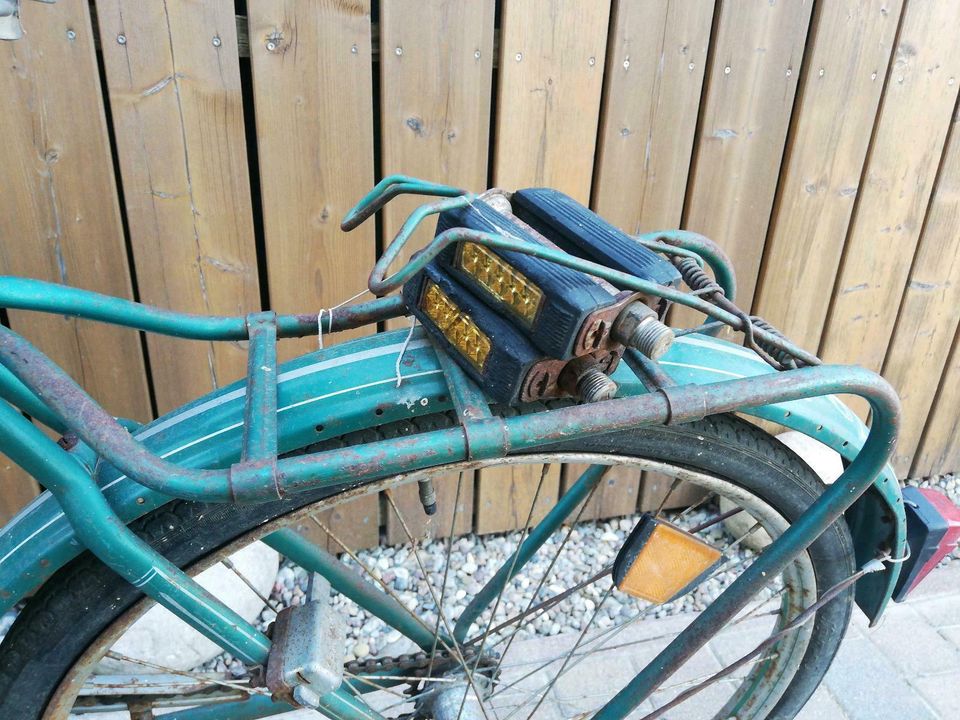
(403,348)
(329,312)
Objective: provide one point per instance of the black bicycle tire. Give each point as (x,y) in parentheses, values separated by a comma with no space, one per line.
(85,598)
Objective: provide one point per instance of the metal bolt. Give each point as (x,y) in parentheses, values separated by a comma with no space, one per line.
(789,72)
(399,51)
(637,327)
(726,70)
(873,76)
(71,35)
(519,57)
(217,42)
(122,39)
(626,63)
(690,66)
(354,50)
(822,71)
(476,54)
(594,386)
(592,61)
(271,45)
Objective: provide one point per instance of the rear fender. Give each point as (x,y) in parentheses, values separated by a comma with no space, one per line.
(353,386)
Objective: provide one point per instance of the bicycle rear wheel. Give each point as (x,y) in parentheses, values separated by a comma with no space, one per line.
(535,656)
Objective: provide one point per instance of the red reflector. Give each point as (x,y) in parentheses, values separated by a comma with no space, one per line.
(933,531)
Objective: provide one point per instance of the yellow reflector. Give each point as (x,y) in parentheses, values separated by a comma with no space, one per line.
(659,561)
(456,326)
(500,279)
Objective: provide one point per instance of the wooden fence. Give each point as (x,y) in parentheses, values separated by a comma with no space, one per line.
(199,156)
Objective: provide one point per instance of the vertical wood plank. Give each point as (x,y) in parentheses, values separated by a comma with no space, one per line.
(458,516)
(436,69)
(550,80)
(505,496)
(175,98)
(59,216)
(615,495)
(552,56)
(908,141)
(928,312)
(651,95)
(313,96)
(355,522)
(840,92)
(744,119)
(16,489)
(939,450)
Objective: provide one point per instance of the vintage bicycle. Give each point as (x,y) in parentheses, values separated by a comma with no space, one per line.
(540,342)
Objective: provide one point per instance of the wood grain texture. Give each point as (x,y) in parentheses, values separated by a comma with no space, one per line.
(16,489)
(616,494)
(838,98)
(505,496)
(452,512)
(745,114)
(59,216)
(313,96)
(908,141)
(939,450)
(929,310)
(355,523)
(548,95)
(651,96)
(435,89)
(174,88)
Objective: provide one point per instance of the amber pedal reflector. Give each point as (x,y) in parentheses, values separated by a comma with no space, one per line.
(659,561)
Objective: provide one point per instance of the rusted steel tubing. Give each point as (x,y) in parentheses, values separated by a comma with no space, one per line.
(822,513)
(98,429)
(28,294)
(380,283)
(20,396)
(107,537)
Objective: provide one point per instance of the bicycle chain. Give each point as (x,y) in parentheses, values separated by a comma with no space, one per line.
(418,664)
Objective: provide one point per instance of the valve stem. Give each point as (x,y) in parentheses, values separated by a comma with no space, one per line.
(428,495)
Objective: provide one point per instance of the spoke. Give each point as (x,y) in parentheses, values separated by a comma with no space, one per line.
(183,673)
(545,575)
(663,503)
(369,680)
(566,660)
(697,505)
(353,556)
(446,571)
(226,562)
(456,650)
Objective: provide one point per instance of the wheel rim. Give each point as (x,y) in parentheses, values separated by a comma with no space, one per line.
(755,696)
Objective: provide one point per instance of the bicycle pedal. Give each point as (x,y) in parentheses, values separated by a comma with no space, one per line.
(306,657)
(660,561)
(564,312)
(491,349)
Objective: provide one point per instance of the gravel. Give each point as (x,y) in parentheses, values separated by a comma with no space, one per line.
(474,559)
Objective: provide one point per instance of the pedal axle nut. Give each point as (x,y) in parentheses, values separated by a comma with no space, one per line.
(638,327)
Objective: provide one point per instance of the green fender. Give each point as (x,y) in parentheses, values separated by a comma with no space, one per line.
(353,385)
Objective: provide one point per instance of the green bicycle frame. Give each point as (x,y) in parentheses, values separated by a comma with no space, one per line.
(227,448)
